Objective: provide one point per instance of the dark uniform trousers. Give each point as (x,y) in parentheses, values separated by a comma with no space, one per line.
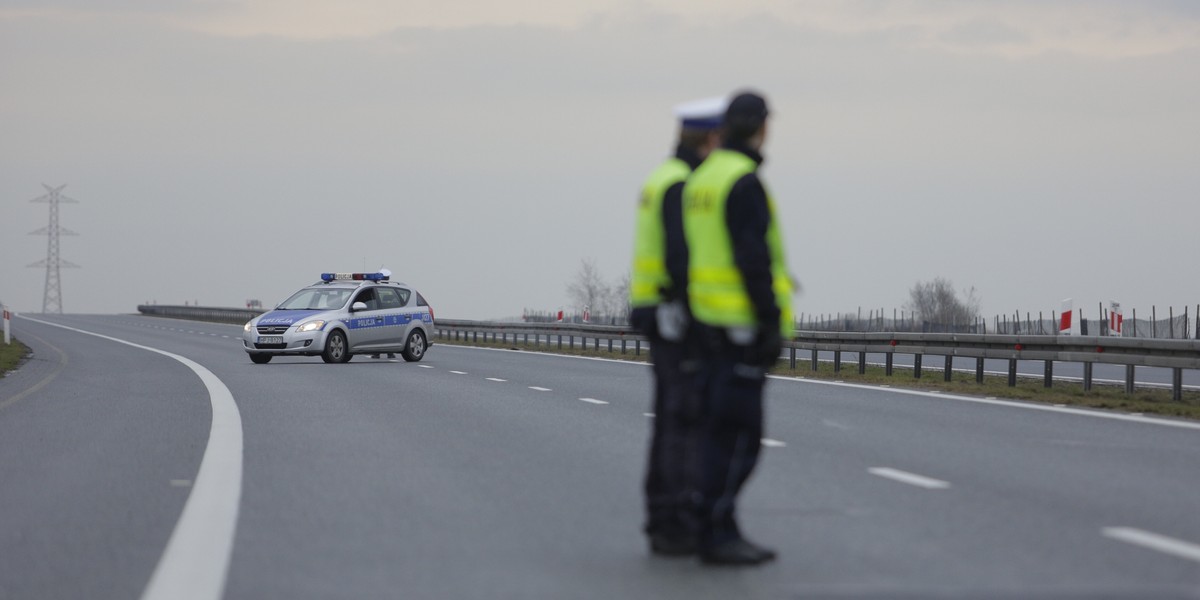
(731,393)
(672,476)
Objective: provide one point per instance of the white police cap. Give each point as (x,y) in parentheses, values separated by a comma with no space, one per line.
(707,113)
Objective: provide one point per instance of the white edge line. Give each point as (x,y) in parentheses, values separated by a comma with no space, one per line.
(1154,541)
(1009,403)
(928,483)
(196,560)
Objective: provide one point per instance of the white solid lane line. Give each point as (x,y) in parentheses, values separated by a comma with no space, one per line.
(770,443)
(592,401)
(910,478)
(1154,541)
(196,560)
(539,389)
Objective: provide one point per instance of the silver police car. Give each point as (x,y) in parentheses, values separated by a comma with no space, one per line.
(342,315)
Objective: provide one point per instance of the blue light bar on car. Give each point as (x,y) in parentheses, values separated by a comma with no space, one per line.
(380,276)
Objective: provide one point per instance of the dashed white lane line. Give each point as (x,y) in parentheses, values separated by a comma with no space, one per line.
(928,483)
(496,379)
(459,372)
(1154,541)
(770,443)
(592,401)
(650,415)
(425,366)
(539,389)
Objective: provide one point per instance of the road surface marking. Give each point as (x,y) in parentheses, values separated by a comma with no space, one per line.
(592,401)
(651,415)
(459,372)
(909,478)
(196,560)
(1153,541)
(770,443)
(425,366)
(539,389)
(497,379)
(1096,414)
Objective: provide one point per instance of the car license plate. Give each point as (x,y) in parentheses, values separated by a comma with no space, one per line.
(271,339)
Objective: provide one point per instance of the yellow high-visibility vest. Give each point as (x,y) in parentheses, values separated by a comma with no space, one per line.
(716,291)
(649,276)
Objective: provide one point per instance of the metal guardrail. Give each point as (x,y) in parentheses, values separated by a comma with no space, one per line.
(1176,355)
(1088,350)
(236,316)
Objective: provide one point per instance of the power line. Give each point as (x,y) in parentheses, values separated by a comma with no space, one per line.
(52,298)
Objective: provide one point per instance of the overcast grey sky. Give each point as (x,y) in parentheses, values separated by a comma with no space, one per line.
(231,149)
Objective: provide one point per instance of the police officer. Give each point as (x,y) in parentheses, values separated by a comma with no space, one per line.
(658,299)
(739,292)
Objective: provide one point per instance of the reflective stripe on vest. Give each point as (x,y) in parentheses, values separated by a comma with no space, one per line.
(716,291)
(649,276)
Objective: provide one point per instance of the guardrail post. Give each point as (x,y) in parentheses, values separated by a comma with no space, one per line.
(475,337)
(571,341)
(916,366)
(979,370)
(814,360)
(1129,372)
(560,341)
(1048,378)
(948,373)
(862,363)
(637,347)
(623,341)
(1087,376)
(1012,372)
(610,345)
(1177,384)
(792,362)
(888,366)
(837,361)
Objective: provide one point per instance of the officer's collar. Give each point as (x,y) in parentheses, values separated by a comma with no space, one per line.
(689,156)
(744,148)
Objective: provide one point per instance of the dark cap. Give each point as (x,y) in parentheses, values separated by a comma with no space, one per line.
(746,113)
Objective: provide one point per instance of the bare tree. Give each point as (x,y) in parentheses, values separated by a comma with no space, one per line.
(936,302)
(589,288)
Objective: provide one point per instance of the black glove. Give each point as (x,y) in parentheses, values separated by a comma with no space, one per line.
(767,346)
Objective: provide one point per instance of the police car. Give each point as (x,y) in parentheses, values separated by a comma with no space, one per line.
(342,315)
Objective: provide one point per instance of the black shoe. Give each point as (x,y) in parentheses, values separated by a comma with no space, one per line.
(738,552)
(665,545)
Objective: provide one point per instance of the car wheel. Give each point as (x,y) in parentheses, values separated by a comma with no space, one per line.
(414,350)
(336,348)
(260,358)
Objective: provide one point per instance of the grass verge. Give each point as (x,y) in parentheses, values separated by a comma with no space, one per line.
(11,355)
(1143,400)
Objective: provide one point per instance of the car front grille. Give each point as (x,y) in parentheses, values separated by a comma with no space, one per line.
(270,346)
(272,329)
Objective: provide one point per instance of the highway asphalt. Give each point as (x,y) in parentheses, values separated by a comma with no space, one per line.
(498,474)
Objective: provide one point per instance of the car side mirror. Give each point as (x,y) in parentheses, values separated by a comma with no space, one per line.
(357,306)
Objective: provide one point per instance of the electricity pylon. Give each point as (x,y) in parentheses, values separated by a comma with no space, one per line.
(52,299)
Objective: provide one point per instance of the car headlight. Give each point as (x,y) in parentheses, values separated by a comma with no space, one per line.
(249,326)
(310,326)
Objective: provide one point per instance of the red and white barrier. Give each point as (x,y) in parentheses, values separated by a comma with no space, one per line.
(1115,318)
(1065,324)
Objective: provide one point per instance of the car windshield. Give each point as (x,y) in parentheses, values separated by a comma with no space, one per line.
(317,299)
